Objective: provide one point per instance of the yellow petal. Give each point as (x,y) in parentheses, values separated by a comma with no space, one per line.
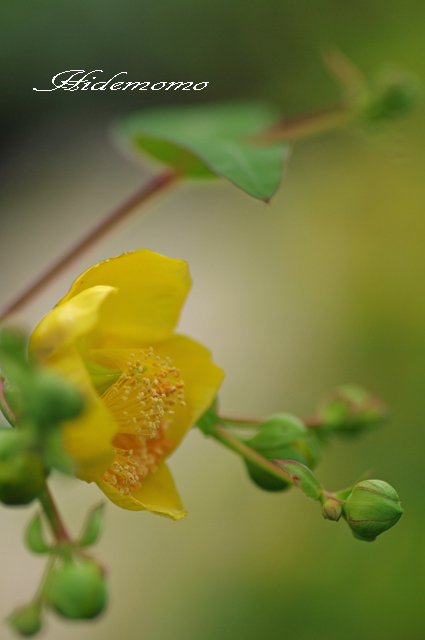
(152,290)
(201,377)
(66,323)
(87,439)
(158,495)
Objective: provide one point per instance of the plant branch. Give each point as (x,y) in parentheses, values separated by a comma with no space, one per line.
(157,183)
(52,514)
(221,434)
(244,420)
(303,125)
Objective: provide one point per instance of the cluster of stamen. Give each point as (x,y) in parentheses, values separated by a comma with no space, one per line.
(141,402)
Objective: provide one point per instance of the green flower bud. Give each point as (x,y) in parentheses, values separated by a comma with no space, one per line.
(331,509)
(21,478)
(350,411)
(394,96)
(78,590)
(282,436)
(22,475)
(27,620)
(372,507)
(52,399)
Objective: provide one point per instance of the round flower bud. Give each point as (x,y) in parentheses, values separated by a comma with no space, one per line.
(372,507)
(21,478)
(350,411)
(283,437)
(53,399)
(394,96)
(331,510)
(27,620)
(78,590)
(22,475)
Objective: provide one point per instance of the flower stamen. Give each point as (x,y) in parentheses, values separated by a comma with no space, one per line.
(143,395)
(140,402)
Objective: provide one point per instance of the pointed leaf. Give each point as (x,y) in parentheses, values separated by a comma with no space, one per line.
(34,536)
(93,526)
(203,141)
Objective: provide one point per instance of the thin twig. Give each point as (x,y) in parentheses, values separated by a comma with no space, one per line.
(118,214)
(237,419)
(307,124)
(222,435)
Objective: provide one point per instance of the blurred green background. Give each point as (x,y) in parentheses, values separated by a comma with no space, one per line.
(323,287)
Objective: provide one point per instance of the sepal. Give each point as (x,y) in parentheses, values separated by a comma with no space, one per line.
(34,538)
(93,527)
(302,477)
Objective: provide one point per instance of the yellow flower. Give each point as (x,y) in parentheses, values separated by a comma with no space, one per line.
(114,331)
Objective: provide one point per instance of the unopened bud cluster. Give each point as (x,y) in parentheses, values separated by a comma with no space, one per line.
(74,586)
(75,589)
(35,402)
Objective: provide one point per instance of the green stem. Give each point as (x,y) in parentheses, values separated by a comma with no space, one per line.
(4,407)
(242,420)
(221,434)
(52,514)
(44,582)
(156,184)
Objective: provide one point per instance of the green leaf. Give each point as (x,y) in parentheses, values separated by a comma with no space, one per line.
(34,536)
(209,420)
(303,477)
(204,141)
(93,526)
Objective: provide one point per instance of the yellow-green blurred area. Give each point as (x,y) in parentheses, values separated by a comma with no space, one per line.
(325,286)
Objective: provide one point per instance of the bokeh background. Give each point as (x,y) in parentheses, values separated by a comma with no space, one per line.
(323,287)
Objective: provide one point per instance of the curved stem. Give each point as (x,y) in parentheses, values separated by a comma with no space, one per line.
(222,435)
(118,214)
(52,514)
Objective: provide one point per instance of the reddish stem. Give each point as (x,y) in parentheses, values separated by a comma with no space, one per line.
(52,514)
(307,124)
